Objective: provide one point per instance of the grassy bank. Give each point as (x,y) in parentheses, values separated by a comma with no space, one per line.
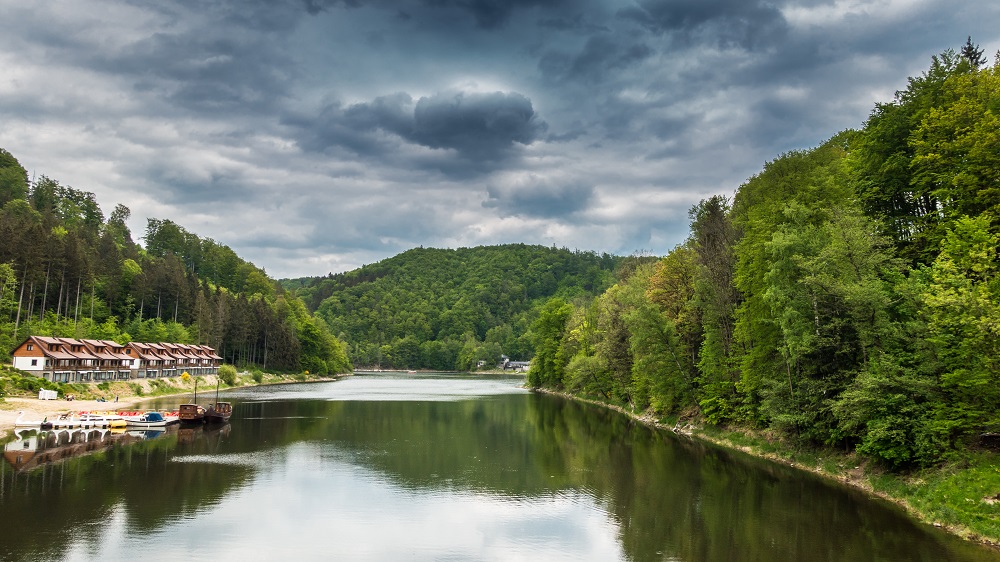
(962,497)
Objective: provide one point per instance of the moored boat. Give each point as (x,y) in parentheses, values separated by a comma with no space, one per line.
(191,414)
(150,419)
(218,412)
(82,420)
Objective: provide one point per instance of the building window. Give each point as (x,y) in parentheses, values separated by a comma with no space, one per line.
(34,362)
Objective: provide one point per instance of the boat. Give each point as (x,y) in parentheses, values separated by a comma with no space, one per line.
(83,420)
(220,411)
(191,414)
(150,419)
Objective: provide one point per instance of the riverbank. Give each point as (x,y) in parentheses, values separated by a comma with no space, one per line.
(130,395)
(962,497)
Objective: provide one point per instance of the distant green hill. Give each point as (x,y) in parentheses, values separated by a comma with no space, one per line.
(448,309)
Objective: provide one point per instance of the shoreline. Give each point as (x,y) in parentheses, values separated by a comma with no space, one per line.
(11,407)
(856,478)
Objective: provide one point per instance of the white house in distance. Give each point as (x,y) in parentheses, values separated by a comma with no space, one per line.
(84,360)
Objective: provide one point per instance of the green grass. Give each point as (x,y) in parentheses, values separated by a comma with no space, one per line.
(953,495)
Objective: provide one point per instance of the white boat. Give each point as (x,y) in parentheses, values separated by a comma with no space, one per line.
(150,419)
(70,421)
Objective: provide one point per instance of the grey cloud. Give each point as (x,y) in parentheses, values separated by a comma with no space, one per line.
(207,73)
(600,56)
(744,23)
(537,197)
(480,126)
(488,14)
(175,106)
(577,22)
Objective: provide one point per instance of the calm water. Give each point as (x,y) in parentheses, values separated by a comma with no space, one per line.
(421,467)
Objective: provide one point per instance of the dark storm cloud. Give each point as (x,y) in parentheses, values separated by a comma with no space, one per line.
(600,55)
(480,126)
(488,14)
(539,198)
(202,56)
(207,73)
(744,23)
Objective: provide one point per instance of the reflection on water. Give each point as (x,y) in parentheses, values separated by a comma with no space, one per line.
(32,448)
(388,467)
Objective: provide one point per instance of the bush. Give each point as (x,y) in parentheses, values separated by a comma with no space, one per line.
(227,374)
(258,376)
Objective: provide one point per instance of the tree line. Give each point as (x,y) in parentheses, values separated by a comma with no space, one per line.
(845,296)
(67,270)
(450,309)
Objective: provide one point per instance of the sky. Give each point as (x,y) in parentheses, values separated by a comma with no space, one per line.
(315,136)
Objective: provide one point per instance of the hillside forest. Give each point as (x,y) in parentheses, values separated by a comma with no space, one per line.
(452,309)
(68,270)
(845,296)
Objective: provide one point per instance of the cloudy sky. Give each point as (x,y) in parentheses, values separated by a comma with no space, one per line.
(314,136)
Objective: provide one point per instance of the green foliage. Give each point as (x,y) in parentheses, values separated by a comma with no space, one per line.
(450,309)
(227,374)
(960,294)
(548,365)
(13,178)
(65,271)
(848,295)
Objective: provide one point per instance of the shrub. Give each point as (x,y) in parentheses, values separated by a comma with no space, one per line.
(258,376)
(227,374)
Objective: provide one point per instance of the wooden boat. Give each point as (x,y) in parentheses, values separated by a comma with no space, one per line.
(218,412)
(191,414)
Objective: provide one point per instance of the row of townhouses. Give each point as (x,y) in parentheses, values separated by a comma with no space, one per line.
(73,360)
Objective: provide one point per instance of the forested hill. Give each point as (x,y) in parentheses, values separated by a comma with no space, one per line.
(66,270)
(449,309)
(847,295)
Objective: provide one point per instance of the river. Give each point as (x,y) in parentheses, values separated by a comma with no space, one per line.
(437,467)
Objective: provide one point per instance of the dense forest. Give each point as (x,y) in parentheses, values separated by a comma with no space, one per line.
(67,270)
(450,309)
(846,295)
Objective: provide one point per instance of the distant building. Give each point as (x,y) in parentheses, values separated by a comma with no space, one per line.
(73,360)
(507,365)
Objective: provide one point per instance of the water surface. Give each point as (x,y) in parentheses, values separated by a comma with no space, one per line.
(439,467)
